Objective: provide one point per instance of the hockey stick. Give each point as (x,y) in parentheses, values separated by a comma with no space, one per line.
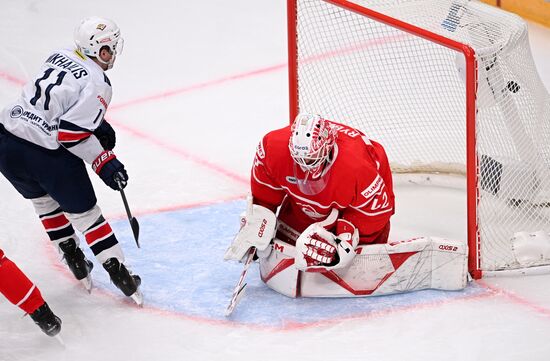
(239,288)
(133,221)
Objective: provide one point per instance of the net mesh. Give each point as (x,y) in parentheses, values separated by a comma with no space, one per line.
(409,93)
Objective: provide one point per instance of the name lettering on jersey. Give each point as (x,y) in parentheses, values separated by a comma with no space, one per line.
(350,132)
(61,61)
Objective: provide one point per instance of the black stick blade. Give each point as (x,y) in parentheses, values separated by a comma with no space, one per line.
(135,229)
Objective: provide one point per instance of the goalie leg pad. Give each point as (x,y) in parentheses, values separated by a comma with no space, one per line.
(277,269)
(378,269)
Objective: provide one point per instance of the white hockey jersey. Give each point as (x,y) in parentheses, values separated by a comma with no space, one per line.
(62,105)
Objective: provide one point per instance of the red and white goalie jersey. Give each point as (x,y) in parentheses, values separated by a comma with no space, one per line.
(357,181)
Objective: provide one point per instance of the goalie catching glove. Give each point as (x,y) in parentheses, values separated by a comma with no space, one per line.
(257,230)
(318,250)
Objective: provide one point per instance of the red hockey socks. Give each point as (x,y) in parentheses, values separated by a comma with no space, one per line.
(17,288)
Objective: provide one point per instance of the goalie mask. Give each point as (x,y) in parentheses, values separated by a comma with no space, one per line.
(94,33)
(311,145)
(311,142)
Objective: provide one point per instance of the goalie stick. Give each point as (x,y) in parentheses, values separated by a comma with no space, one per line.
(239,288)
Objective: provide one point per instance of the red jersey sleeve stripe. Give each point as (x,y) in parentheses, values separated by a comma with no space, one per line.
(71,137)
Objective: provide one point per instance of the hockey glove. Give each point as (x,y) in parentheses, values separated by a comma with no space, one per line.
(110,170)
(318,250)
(106,135)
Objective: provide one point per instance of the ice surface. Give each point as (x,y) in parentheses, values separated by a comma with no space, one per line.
(195,89)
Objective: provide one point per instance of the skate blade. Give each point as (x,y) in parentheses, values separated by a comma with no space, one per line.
(138,298)
(60,340)
(87,283)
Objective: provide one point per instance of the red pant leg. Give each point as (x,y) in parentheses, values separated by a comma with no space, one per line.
(17,288)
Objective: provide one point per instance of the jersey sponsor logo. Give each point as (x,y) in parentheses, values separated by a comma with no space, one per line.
(16,112)
(102,101)
(61,61)
(33,119)
(373,188)
(376,195)
(27,115)
(260,152)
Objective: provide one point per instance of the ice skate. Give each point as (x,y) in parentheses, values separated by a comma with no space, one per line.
(124,280)
(77,262)
(48,322)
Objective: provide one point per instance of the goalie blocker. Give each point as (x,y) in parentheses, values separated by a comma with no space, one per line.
(378,269)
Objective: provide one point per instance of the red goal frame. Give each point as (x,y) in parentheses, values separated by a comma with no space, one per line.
(471,88)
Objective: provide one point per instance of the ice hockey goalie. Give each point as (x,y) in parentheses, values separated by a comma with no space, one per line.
(332,190)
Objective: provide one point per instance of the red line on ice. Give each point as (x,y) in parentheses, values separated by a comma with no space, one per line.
(198,86)
(180,152)
(261,71)
(177,207)
(516,299)
(12,79)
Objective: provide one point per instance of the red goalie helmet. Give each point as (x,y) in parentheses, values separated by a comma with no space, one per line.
(311,142)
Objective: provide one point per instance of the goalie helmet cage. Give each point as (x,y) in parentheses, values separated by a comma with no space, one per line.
(447,86)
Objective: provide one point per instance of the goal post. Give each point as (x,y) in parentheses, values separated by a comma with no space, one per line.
(448,86)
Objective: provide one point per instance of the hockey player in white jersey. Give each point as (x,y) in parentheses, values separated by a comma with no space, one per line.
(55,126)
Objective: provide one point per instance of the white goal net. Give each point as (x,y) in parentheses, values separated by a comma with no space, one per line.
(446,86)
